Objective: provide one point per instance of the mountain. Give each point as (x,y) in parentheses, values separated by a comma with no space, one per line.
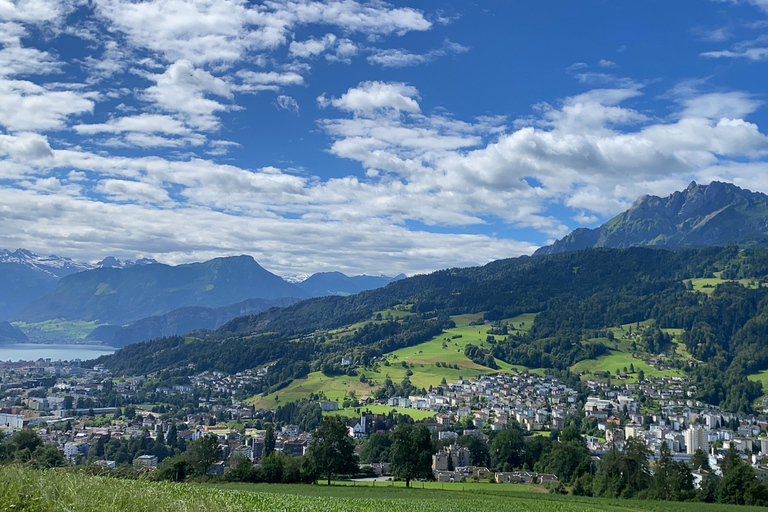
(10,334)
(336,283)
(581,299)
(54,266)
(701,215)
(182,321)
(119,296)
(112,262)
(20,284)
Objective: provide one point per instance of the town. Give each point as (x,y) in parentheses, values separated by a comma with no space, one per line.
(77,409)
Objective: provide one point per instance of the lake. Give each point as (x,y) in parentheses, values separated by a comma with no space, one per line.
(34,351)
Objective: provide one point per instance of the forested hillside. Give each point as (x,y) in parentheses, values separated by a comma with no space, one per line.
(579,296)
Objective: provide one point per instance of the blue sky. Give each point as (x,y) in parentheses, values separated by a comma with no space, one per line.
(377,137)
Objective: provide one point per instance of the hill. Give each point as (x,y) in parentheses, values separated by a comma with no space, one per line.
(336,283)
(701,215)
(10,334)
(181,321)
(19,285)
(123,295)
(582,299)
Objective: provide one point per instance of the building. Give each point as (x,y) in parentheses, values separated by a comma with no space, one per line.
(145,462)
(696,438)
(357,428)
(329,405)
(12,420)
(72,450)
(460,457)
(633,429)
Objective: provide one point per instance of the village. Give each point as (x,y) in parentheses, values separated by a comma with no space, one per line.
(72,408)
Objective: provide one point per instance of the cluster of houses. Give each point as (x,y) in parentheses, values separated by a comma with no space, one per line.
(46,391)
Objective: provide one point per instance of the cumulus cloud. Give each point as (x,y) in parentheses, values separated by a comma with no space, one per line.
(26,106)
(372,96)
(184,89)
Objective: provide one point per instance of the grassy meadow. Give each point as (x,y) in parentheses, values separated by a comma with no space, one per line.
(421,359)
(57,330)
(59,491)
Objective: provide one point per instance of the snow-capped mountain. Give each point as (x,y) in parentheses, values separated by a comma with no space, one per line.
(57,266)
(111,262)
(52,265)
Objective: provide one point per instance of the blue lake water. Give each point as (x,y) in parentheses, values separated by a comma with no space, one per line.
(34,351)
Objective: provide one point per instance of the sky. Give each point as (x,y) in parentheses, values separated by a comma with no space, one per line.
(366,137)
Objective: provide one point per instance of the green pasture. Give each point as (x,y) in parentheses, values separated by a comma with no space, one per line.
(57,330)
(383,409)
(708,284)
(618,360)
(421,359)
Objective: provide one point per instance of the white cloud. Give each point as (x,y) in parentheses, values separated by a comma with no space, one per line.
(399,58)
(25,146)
(311,47)
(287,103)
(223,31)
(25,106)
(182,89)
(147,123)
(754,54)
(253,81)
(604,63)
(371,96)
(133,191)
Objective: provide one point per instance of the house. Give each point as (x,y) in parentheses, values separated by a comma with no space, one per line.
(460,457)
(329,405)
(73,449)
(145,462)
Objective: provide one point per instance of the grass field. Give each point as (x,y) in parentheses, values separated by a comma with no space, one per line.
(761,377)
(707,284)
(421,359)
(57,330)
(618,360)
(57,491)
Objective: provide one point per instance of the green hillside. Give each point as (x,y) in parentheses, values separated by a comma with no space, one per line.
(430,362)
(589,306)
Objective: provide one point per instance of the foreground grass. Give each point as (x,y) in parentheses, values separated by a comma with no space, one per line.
(54,491)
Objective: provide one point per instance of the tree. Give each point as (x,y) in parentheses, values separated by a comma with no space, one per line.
(172,435)
(375,448)
(700,461)
(269,442)
(174,469)
(411,453)
(738,481)
(478,450)
(332,450)
(203,453)
(507,448)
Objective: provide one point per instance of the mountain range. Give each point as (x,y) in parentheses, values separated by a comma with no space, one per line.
(182,320)
(145,299)
(718,214)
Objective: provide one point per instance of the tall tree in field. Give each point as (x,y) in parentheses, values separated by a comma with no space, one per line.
(203,453)
(411,453)
(269,442)
(332,450)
